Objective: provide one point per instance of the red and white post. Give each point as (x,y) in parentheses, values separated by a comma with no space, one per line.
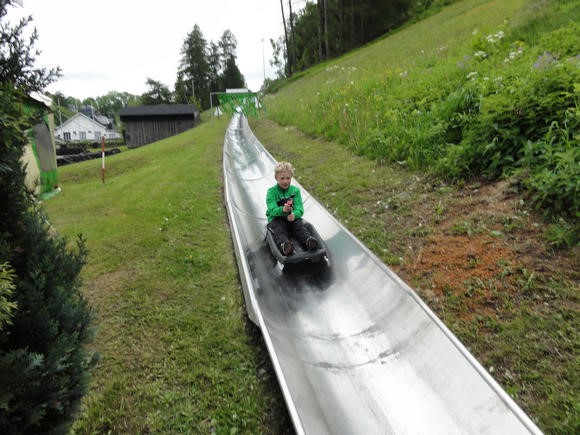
(103,159)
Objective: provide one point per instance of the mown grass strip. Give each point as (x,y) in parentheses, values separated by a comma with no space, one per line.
(177,354)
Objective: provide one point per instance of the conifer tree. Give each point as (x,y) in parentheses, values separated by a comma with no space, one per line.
(46,321)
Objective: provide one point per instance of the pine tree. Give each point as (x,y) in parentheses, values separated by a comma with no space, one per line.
(194,70)
(43,363)
(232,77)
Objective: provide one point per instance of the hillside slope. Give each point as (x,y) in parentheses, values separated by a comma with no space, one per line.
(179,355)
(476,251)
(476,254)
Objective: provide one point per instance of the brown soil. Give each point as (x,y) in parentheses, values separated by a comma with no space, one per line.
(476,251)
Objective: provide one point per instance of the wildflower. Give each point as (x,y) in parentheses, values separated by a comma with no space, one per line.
(472,75)
(494,39)
(513,54)
(480,54)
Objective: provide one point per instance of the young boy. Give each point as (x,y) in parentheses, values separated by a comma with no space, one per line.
(285,211)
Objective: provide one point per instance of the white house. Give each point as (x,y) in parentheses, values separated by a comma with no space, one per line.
(80,128)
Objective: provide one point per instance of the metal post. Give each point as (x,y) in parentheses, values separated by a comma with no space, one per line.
(103,159)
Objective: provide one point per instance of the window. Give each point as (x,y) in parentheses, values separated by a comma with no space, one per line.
(97,135)
(66,136)
(83,135)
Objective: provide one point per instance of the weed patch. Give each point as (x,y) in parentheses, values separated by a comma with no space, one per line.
(476,254)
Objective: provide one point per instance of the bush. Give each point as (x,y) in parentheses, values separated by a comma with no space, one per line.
(525,122)
(42,360)
(45,319)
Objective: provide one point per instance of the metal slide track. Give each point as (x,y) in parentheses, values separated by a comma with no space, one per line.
(354,348)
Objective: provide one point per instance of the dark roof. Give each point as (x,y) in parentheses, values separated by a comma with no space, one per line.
(160,110)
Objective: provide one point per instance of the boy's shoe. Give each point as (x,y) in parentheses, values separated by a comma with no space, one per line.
(287,248)
(312,244)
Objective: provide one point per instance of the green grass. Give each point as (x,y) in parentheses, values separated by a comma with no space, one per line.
(177,354)
(521,322)
(339,99)
(485,88)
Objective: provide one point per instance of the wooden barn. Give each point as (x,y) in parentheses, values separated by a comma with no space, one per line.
(146,124)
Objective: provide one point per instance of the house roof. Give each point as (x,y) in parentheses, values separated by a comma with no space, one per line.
(73,118)
(160,110)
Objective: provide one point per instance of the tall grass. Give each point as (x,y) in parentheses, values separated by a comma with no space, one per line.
(462,93)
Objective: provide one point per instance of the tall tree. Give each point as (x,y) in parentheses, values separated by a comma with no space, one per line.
(193,70)
(111,103)
(325,21)
(232,77)
(228,46)
(287,53)
(278,60)
(43,363)
(157,93)
(215,67)
(292,36)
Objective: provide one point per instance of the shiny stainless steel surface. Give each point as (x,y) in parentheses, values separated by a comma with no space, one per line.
(354,348)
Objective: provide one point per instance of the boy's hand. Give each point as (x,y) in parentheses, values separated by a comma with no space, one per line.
(291,217)
(287,207)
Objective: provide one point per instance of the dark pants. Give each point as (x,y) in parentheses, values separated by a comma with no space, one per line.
(282,230)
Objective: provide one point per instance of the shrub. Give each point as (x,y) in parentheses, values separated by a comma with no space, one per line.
(45,319)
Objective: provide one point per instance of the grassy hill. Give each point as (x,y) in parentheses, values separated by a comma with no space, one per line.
(177,353)
(485,89)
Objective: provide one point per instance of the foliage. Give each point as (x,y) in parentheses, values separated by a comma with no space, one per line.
(563,234)
(498,101)
(530,296)
(194,68)
(17,57)
(157,93)
(204,69)
(232,78)
(326,29)
(525,119)
(42,359)
(7,304)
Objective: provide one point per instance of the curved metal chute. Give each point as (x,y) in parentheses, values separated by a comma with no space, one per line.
(354,348)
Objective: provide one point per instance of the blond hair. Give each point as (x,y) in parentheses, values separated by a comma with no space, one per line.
(283,167)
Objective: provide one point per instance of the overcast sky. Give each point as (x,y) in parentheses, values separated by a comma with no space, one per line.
(115,45)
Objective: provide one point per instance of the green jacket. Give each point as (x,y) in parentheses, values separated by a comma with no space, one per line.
(275,193)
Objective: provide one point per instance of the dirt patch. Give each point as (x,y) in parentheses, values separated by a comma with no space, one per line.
(481,239)
(454,260)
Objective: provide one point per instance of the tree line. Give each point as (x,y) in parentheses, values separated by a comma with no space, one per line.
(328,28)
(204,67)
